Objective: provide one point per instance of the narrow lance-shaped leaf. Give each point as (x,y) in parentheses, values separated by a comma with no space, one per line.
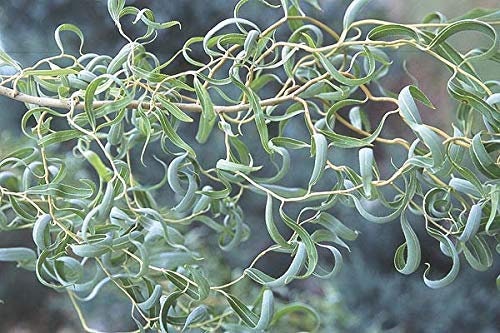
(115,7)
(355,117)
(166,303)
(40,231)
(336,226)
(411,245)
(478,254)
(266,310)
(433,141)
(68,27)
(407,106)
(173,109)
(102,170)
(468,25)
(255,106)
(198,314)
(452,274)
(208,115)
(464,186)
(173,174)
(248,317)
(335,73)
(236,167)
(482,160)
(19,254)
(271,226)
(251,42)
(201,281)
(339,262)
(472,224)
(320,155)
(495,209)
(365,167)
(392,30)
(291,273)
(95,247)
(172,135)
(152,300)
(352,11)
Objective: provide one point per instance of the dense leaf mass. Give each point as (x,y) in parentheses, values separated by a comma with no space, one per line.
(294,86)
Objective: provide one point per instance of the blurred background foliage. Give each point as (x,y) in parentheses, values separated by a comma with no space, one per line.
(367,296)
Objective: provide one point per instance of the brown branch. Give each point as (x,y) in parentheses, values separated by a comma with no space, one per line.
(66,103)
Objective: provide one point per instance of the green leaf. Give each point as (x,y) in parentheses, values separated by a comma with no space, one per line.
(68,270)
(289,143)
(495,208)
(60,136)
(408,108)
(201,281)
(482,160)
(392,30)
(478,254)
(290,274)
(248,317)
(365,167)
(187,201)
(208,36)
(468,25)
(464,186)
(198,314)
(173,109)
(266,310)
(208,115)
(433,141)
(23,256)
(68,27)
(396,207)
(173,174)
(409,264)
(236,167)
(260,122)
(352,11)
(472,224)
(250,44)
(41,231)
(95,247)
(452,251)
(355,117)
(6,59)
(61,190)
(167,302)
(320,152)
(97,85)
(102,170)
(115,7)
(324,274)
(152,300)
(183,284)
(271,226)
(333,224)
(172,135)
(335,73)
(9,181)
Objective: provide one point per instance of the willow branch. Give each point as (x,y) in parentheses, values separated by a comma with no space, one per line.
(67,103)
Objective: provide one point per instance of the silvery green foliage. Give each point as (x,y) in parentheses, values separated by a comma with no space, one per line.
(109,111)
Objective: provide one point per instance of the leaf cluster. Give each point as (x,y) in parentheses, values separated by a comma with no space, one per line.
(111,111)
